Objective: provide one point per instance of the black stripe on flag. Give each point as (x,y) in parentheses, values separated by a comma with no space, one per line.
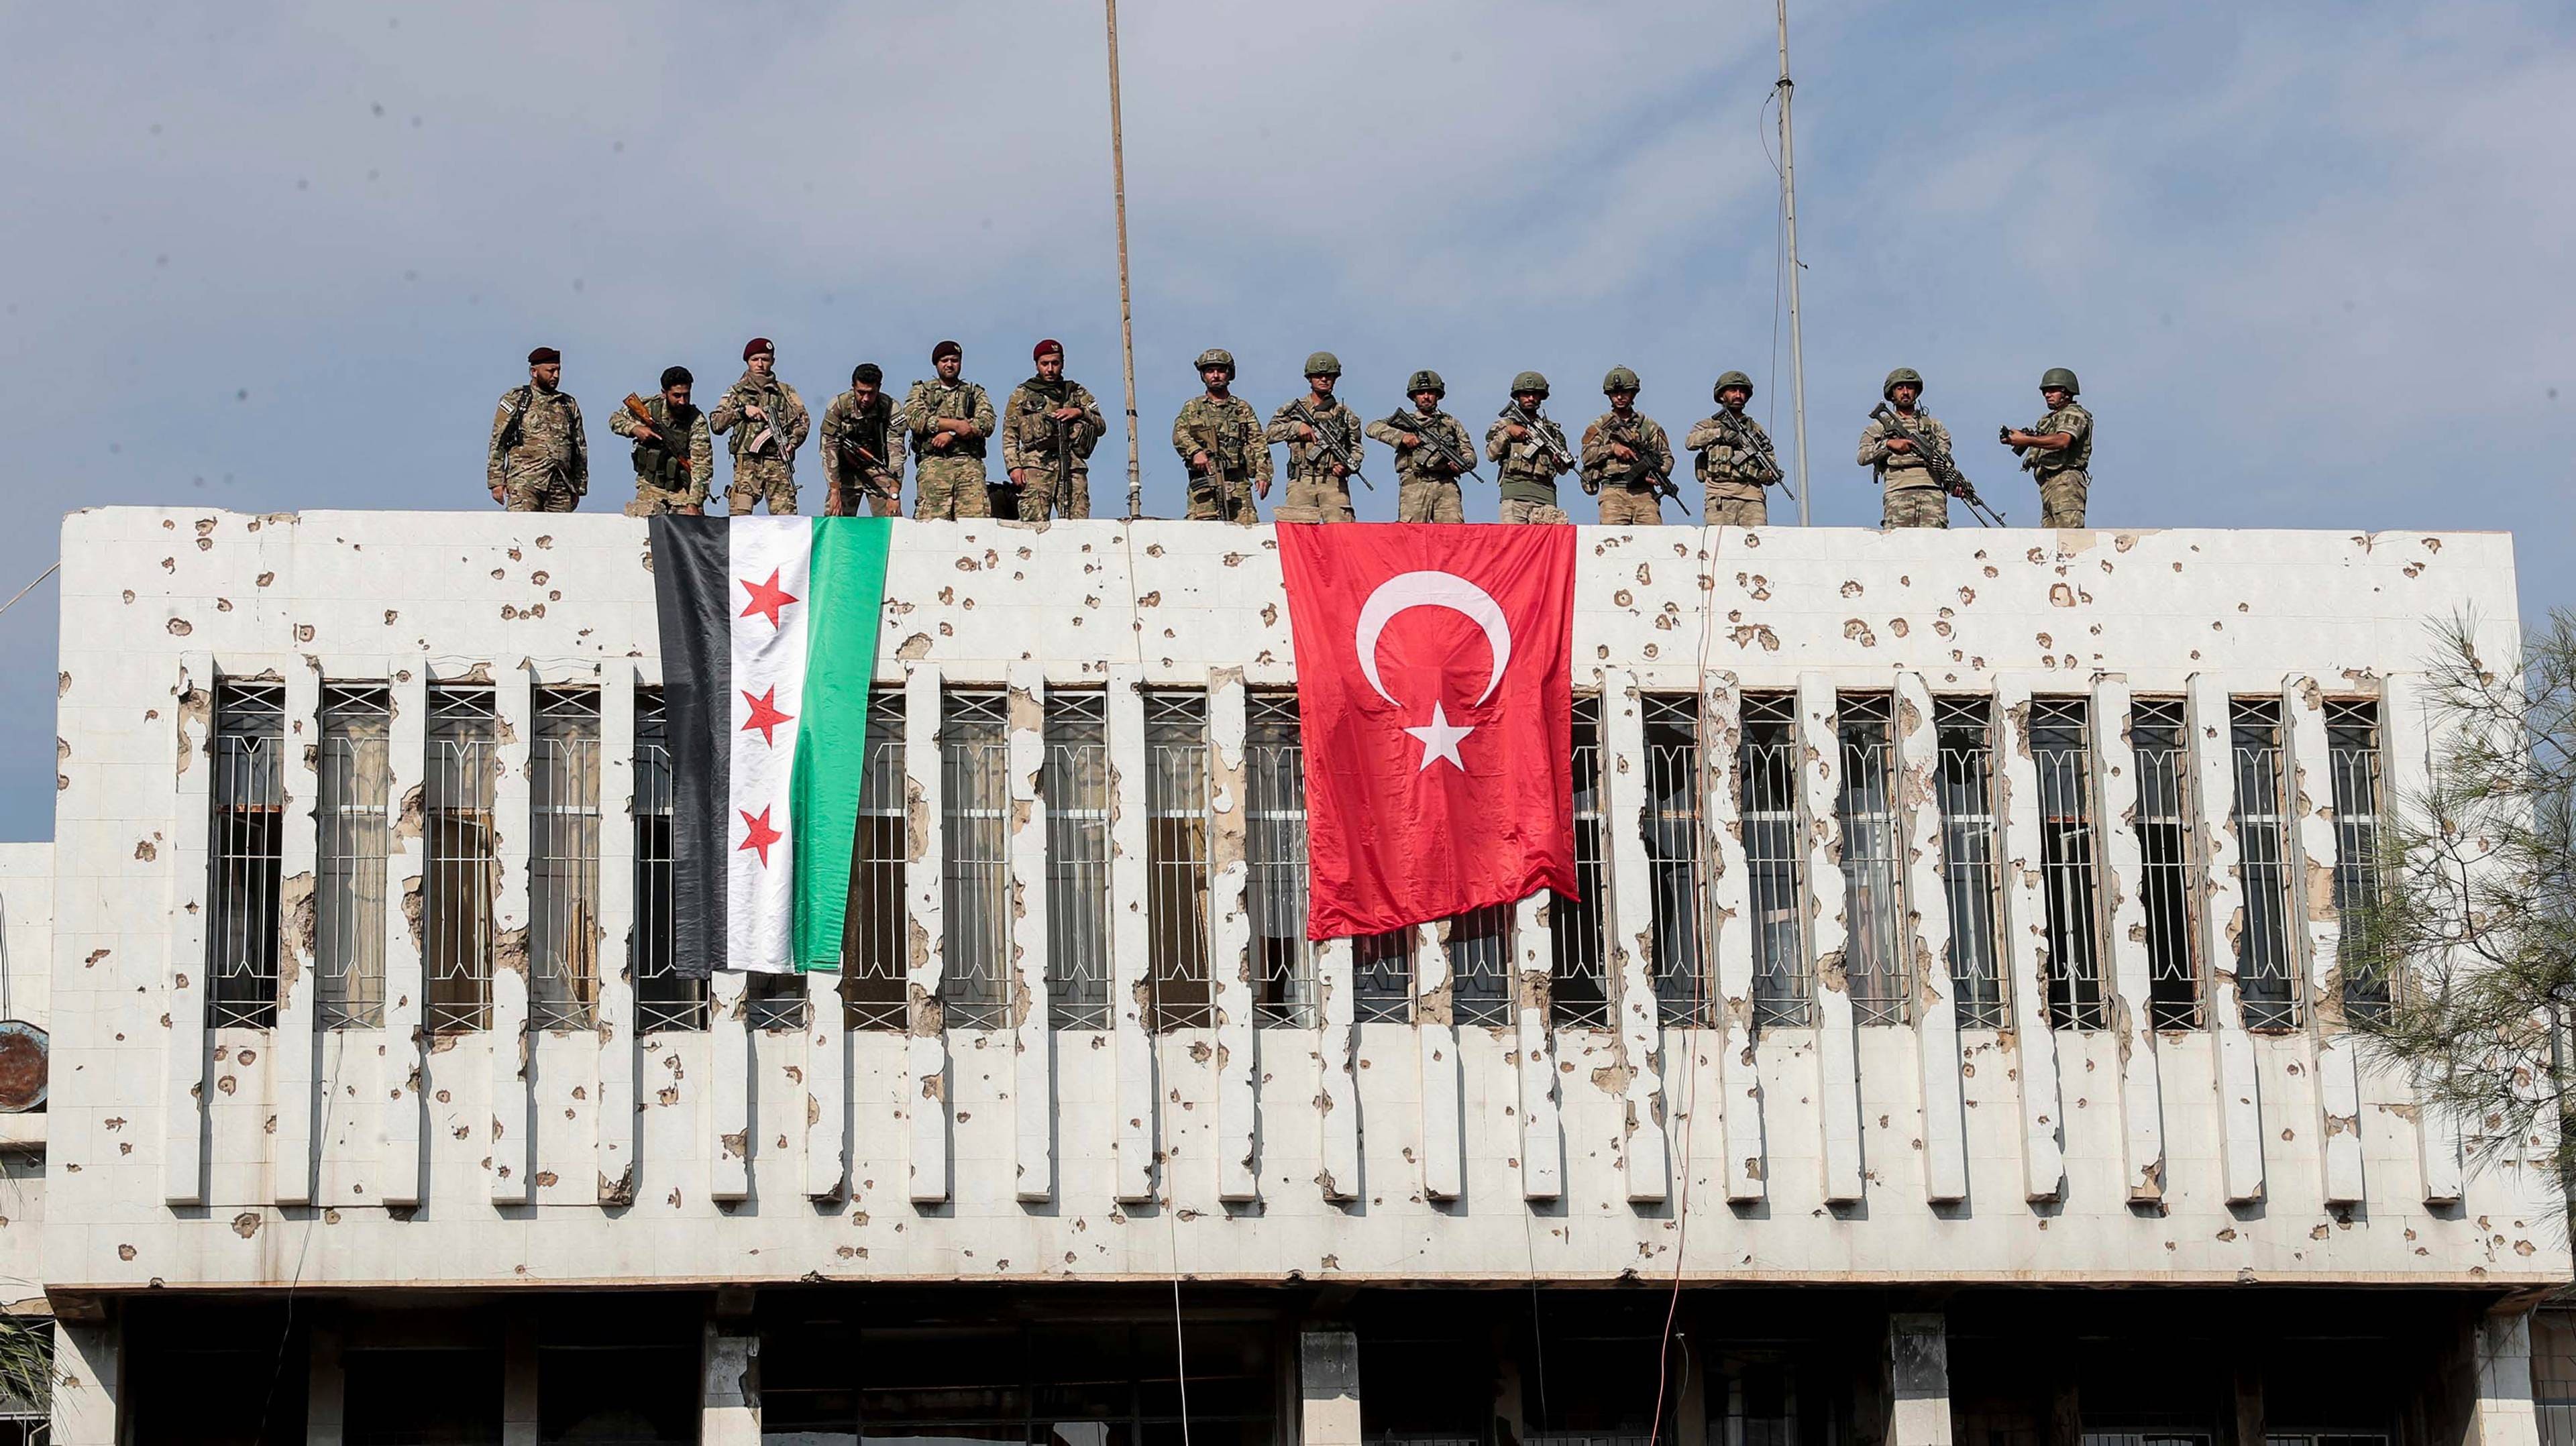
(692,563)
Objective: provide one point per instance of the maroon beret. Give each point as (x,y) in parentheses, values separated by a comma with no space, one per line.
(543,355)
(946,348)
(1046,346)
(756,346)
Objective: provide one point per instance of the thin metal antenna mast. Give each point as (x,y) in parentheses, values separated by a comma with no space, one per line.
(1126,307)
(1789,218)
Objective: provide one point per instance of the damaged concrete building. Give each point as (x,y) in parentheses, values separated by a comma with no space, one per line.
(1951,1042)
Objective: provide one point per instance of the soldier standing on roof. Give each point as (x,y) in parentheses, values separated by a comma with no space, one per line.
(1913,498)
(675,456)
(1049,427)
(1627,459)
(862,448)
(768,422)
(1218,435)
(537,460)
(1319,488)
(949,420)
(1531,454)
(2058,451)
(1735,457)
(1431,449)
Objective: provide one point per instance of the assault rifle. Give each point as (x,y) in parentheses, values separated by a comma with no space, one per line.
(858,460)
(679,450)
(1336,446)
(1751,440)
(1436,439)
(1551,438)
(1659,479)
(1945,471)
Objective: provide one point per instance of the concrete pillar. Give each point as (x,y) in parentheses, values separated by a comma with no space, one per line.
(1328,1388)
(519,1380)
(89,1365)
(326,1391)
(2504,1414)
(1918,1359)
(728,1389)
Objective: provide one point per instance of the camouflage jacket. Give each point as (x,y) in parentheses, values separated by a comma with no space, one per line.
(878,430)
(1310,459)
(1228,430)
(688,471)
(784,431)
(933,399)
(1727,467)
(2076,422)
(1528,473)
(1028,432)
(1602,467)
(1414,464)
(1903,469)
(548,450)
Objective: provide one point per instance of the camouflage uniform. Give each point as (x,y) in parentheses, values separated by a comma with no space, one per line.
(1913,499)
(845,430)
(1314,493)
(667,480)
(1628,499)
(770,472)
(1229,431)
(1732,475)
(949,484)
(2062,474)
(547,469)
(1028,445)
(1423,491)
(1528,476)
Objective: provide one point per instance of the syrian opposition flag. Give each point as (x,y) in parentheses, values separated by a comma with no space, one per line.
(769,639)
(1435,698)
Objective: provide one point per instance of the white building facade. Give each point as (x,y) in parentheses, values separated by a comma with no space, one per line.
(1952,1039)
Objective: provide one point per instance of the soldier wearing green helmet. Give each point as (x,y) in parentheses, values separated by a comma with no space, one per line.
(1218,435)
(1913,498)
(1627,458)
(1530,453)
(2057,450)
(1430,446)
(1320,432)
(1736,461)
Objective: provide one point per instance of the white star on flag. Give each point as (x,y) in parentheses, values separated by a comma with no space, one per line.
(1440,739)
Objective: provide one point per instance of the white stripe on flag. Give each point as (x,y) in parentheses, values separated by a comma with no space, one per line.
(771,556)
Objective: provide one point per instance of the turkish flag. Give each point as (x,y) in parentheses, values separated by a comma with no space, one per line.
(1435,697)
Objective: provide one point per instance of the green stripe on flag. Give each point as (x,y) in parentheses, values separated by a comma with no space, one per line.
(841,622)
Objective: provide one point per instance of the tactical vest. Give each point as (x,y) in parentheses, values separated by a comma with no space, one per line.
(772,401)
(960,402)
(665,463)
(869,428)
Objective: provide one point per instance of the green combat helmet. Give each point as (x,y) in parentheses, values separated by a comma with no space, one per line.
(1426,380)
(2059,377)
(1323,364)
(1730,379)
(1529,382)
(1216,356)
(1901,377)
(1620,379)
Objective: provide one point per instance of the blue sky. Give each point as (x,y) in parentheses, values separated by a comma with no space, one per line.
(2312,261)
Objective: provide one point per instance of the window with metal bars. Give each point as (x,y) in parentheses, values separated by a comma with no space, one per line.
(244,852)
(1685,990)
(563,860)
(663,999)
(1766,760)
(2168,860)
(1968,880)
(461,870)
(2352,755)
(1076,787)
(2266,981)
(1382,978)
(1176,857)
(1578,978)
(2062,753)
(1874,956)
(1479,947)
(874,977)
(975,858)
(1275,896)
(776,1002)
(353,825)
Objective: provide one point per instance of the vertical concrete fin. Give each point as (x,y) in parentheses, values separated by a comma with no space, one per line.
(1338,1101)
(615,1077)
(729,1098)
(2308,766)
(1030,1037)
(1820,782)
(2408,753)
(1542,1135)
(1731,931)
(2023,941)
(2123,867)
(183,1054)
(2222,919)
(1918,1377)
(1130,935)
(1230,960)
(513,1169)
(398,1175)
(291,1162)
(926,1084)
(1927,941)
(1630,925)
(1435,1039)
(826,1087)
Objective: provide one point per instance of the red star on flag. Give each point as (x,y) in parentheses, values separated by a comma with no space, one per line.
(766,597)
(759,836)
(764,714)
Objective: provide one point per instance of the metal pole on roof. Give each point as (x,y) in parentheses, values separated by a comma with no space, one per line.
(1126,306)
(1788,219)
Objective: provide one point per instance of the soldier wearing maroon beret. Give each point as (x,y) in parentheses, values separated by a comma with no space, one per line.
(1048,430)
(538,460)
(768,423)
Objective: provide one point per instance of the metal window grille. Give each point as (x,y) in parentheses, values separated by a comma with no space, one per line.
(2168,858)
(874,978)
(1076,785)
(1775,865)
(244,854)
(354,826)
(1479,946)
(2352,755)
(462,871)
(663,999)
(2266,984)
(1874,959)
(975,858)
(1968,879)
(1685,992)
(1176,857)
(563,860)
(1578,982)
(1382,977)
(1275,847)
(776,1001)
(2061,750)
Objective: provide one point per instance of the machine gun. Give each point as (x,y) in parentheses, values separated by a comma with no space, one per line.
(1336,446)
(1751,440)
(1551,438)
(1414,424)
(1656,477)
(1945,471)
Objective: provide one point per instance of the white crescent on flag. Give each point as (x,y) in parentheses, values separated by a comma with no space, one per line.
(1439,737)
